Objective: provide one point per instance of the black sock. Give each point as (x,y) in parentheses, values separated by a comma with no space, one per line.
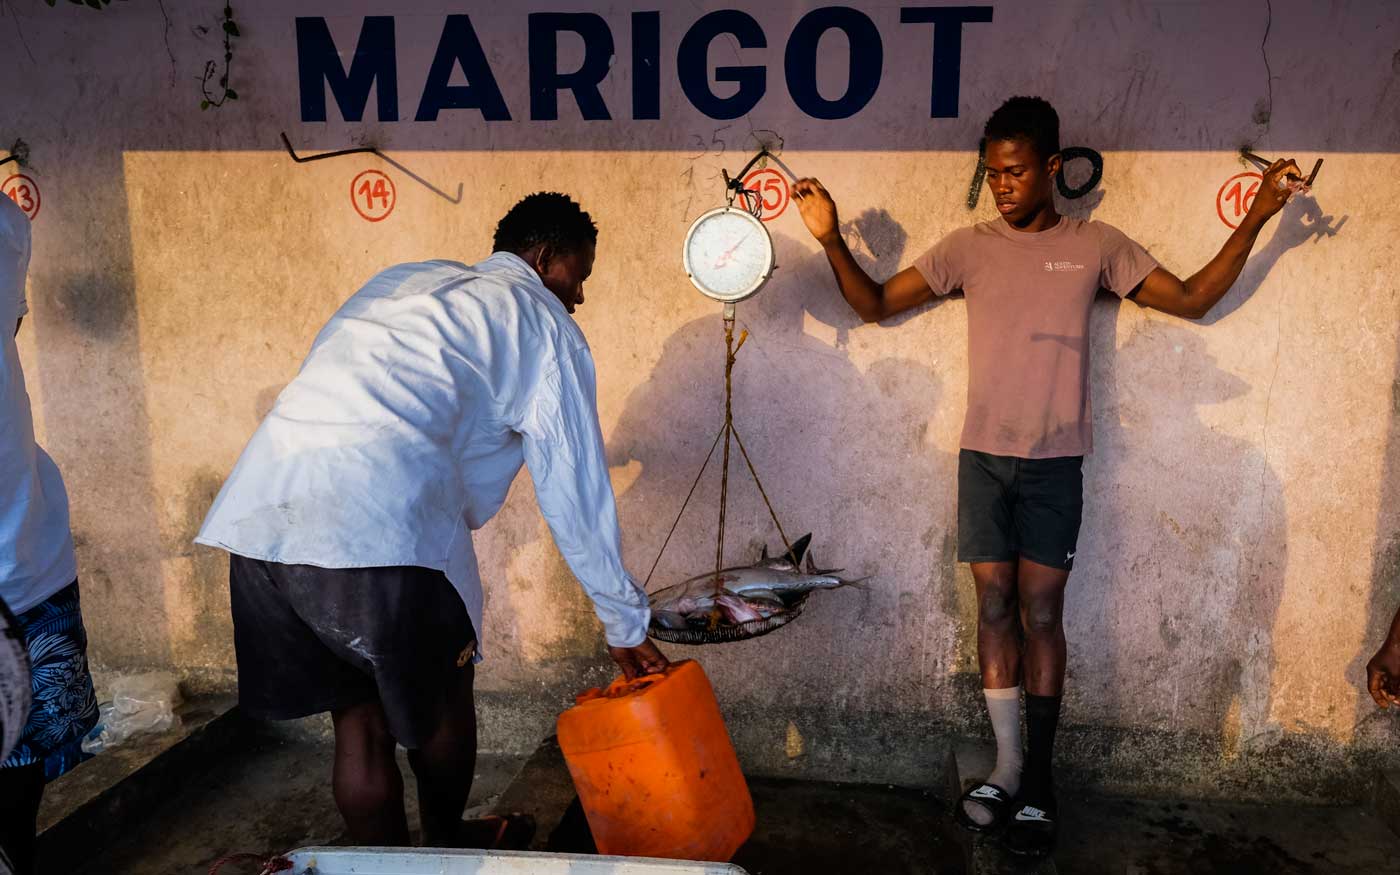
(1037,782)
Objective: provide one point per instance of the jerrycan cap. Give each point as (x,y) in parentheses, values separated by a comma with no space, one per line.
(621,687)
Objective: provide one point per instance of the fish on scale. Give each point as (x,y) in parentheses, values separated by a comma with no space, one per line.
(746,593)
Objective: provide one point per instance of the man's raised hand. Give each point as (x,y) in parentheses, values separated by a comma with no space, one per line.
(818,210)
(1383,675)
(1281,180)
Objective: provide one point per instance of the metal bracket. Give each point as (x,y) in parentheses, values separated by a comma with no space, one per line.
(371,150)
(19,153)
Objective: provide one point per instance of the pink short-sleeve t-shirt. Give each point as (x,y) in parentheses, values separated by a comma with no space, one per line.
(1028,300)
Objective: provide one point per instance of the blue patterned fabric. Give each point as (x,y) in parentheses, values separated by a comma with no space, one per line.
(65,707)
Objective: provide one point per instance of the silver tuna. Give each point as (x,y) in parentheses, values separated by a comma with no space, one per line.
(758,591)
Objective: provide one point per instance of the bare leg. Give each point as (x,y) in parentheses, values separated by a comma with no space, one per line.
(368,784)
(445,765)
(999,655)
(998,635)
(1041,591)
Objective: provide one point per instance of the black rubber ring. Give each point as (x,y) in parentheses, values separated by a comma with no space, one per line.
(1095,161)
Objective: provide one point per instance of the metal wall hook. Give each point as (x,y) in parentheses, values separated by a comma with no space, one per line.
(19,153)
(371,150)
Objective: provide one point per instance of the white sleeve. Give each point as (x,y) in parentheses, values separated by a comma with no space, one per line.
(14,253)
(564,451)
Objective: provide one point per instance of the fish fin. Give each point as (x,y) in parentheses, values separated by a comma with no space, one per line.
(859,582)
(763,557)
(799,549)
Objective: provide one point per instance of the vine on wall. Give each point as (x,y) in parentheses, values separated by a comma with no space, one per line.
(211,68)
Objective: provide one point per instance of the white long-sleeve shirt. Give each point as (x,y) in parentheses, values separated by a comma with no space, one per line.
(413,412)
(36,545)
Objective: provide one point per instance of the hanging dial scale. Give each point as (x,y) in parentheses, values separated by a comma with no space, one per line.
(728,253)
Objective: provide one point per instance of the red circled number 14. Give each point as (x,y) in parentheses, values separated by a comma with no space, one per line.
(373,195)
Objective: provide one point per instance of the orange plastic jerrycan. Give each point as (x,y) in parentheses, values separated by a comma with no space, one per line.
(655,770)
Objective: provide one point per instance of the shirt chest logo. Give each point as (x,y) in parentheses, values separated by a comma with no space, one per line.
(1063,266)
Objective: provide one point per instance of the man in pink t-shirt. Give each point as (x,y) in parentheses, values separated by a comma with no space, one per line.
(1029,279)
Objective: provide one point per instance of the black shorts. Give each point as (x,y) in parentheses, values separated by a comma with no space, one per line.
(313,639)
(1010,507)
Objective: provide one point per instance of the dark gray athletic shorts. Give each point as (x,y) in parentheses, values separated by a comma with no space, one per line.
(314,639)
(1010,507)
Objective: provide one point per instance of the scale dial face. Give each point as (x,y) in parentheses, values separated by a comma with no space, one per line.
(728,254)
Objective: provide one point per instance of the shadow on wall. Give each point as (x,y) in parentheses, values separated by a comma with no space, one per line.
(1301,220)
(83,297)
(1196,561)
(1194,564)
(821,432)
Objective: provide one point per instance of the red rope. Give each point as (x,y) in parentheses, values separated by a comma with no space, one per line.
(268,865)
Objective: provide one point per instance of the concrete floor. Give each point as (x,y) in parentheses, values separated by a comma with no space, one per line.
(270,793)
(1105,836)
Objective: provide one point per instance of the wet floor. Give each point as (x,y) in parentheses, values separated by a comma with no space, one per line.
(1107,836)
(270,793)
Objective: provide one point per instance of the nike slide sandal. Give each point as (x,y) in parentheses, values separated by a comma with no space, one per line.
(1032,831)
(991,797)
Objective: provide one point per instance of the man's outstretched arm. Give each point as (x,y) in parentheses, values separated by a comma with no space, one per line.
(872,301)
(1194,297)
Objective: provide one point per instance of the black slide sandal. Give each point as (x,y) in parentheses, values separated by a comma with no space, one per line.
(1032,831)
(989,796)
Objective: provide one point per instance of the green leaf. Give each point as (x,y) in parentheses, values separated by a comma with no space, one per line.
(230,94)
(231,29)
(204,104)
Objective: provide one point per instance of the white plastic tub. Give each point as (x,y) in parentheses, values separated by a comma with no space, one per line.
(386,861)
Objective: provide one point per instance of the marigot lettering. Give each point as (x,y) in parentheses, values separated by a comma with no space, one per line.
(374,65)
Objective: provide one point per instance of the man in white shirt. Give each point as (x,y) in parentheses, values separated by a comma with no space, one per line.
(38,578)
(349,515)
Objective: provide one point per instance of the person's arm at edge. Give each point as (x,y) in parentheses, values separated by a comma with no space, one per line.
(1383,671)
(870,300)
(1194,297)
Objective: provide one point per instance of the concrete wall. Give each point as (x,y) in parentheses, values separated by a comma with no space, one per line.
(1241,545)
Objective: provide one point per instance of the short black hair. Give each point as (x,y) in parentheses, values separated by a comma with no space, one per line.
(1026,118)
(546,217)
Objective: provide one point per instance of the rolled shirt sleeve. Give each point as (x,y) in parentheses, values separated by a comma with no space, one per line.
(563,448)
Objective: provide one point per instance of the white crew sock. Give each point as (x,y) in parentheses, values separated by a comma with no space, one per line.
(1004,706)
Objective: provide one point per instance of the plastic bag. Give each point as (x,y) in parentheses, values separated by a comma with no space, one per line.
(141,703)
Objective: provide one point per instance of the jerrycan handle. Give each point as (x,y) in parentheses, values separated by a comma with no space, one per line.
(621,686)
